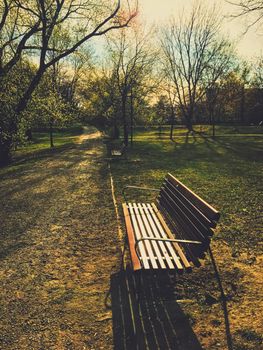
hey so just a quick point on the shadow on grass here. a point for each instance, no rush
(151, 320)
(195, 152)
(42, 153)
(21, 202)
(22, 161)
(12, 249)
(246, 150)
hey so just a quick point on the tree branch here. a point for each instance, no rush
(94, 33)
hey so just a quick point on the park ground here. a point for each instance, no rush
(60, 280)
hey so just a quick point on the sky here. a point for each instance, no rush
(249, 45)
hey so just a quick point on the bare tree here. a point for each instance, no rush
(195, 57)
(132, 61)
(37, 22)
(29, 26)
(172, 100)
(251, 9)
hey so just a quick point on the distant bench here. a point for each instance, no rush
(117, 150)
(172, 233)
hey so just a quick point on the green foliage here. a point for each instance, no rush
(47, 105)
(257, 79)
(162, 111)
(11, 90)
(50, 31)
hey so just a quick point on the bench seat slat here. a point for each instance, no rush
(171, 236)
(138, 236)
(160, 233)
(145, 222)
(142, 234)
(154, 233)
(150, 233)
(131, 238)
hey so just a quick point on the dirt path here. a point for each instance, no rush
(58, 250)
(88, 134)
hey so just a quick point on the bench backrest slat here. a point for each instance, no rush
(206, 209)
(186, 212)
(189, 215)
(183, 229)
(187, 205)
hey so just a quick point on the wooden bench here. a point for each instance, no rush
(172, 233)
(117, 150)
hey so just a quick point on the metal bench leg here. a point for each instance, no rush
(123, 253)
(224, 302)
(138, 284)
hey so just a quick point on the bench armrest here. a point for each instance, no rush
(138, 188)
(166, 240)
(161, 240)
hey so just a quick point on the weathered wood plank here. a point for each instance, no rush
(167, 248)
(142, 233)
(206, 208)
(151, 232)
(170, 235)
(131, 238)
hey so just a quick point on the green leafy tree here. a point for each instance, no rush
(162, 111)
(39, 27)
(11, 89)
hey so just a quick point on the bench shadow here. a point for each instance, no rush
(149, 318)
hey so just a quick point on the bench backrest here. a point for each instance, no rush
(189, 216)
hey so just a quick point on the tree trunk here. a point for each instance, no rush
(7, 137)
(51, 133)
(125, 126)
(188, 117)
(212, 120)
(132, 111)
(29, 135)
(22, 104)
(189, 125)
(242, 104)
(172, 125)
(214, 129)
(5, 150)
(172, 131)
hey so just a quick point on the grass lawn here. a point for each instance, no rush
(41, 141)
(227, 172)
